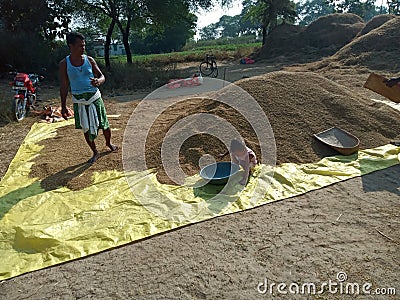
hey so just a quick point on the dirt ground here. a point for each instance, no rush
(350, 227)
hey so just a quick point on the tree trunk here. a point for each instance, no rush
(264, 35)
(108, 43)
(125, 39)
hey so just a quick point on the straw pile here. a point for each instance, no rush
(377, 50)
(374, 23)
(321, 38)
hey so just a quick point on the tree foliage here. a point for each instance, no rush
(364, 9)
(48, 19)
(309, 11)
(28, 32)
(394, 7)
(227, 26)
(164, 37)
(140, 13)
(270, 12)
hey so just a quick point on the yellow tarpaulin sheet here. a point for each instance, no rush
(42, 228)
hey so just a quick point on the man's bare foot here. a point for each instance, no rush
(94, 158)
(113, 148)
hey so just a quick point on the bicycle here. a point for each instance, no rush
(209, 66)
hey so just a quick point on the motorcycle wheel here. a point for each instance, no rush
(18, 109)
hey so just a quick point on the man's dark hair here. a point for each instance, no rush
(73, 36)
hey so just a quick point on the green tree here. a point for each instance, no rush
(159, 38)
(209, 32)
(126, 13)
(269, 12)
(230, 26)
(119, 13)
(249, 24)
(394, 7)
(365, 10)
(226, 27)
(311, 10)
(29, 30)
(48, 19)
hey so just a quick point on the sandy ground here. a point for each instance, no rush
(350, 227)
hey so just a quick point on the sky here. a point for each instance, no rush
(212, 15)
(209, 16)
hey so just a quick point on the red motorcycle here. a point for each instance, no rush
(25, 88)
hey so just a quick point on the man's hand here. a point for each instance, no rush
(94, 81)
(65, 113)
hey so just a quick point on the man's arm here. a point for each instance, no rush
(99, 77)
(63, 88)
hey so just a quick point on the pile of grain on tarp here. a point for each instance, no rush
(298, 105)
(63, 159)
(322, 37)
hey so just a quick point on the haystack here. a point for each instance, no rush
(377, 50)
(375, 22)
(321, 38)
(282, 40)
(332, 31)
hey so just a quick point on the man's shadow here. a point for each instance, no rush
(63, 177)
(50, 183)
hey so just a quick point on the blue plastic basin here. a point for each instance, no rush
(219, 173)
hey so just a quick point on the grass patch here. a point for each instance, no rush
(222, 52)
(154, 70)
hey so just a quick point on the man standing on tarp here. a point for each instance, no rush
(82, 74)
